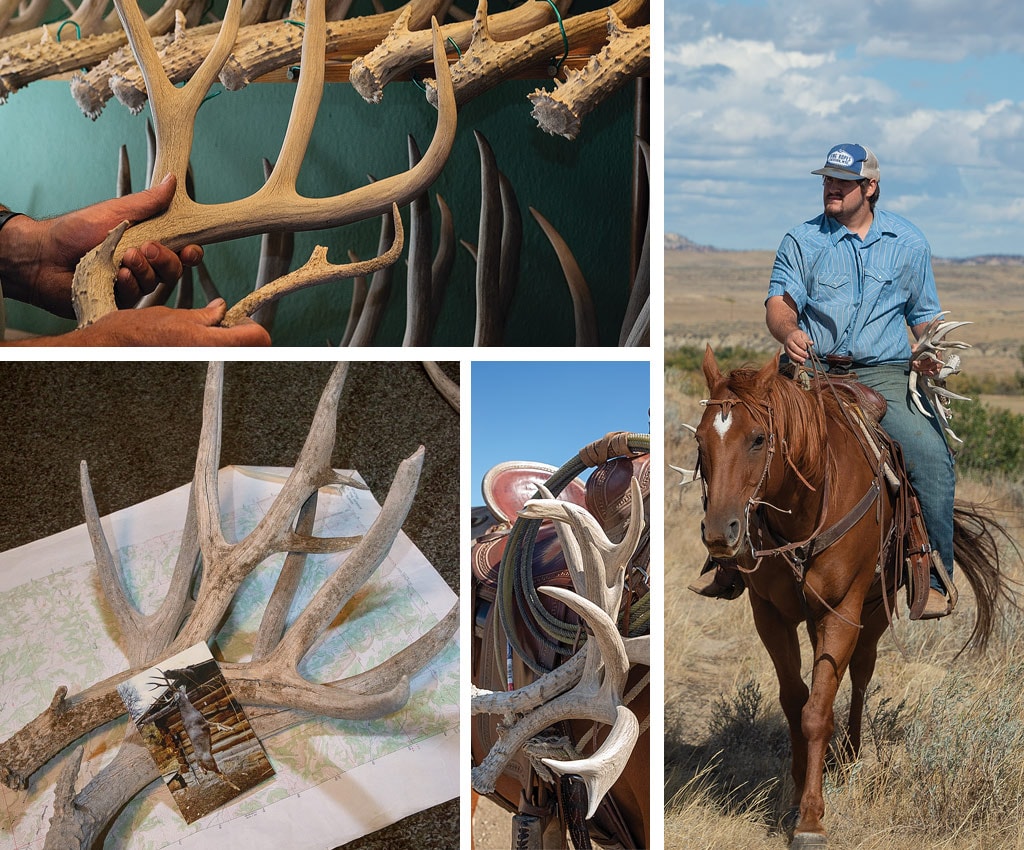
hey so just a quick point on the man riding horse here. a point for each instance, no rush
(844, 287)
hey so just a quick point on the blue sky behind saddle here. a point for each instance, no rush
(547, 411)
(757, 92)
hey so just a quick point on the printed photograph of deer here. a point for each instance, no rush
(200, 738)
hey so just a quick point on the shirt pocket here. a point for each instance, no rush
(880, 289)
(830, 286)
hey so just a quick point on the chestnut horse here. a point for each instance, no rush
(784, 473)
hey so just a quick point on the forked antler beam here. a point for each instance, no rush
(261, 47)
(487, 61)
(277, 204)
(42, 53)
(407, 46)
(18, 16)
(626, 55)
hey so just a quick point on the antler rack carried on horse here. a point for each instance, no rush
(561, 601)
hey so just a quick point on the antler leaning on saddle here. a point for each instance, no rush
(277, 205)
(591, 684)
(271, 679)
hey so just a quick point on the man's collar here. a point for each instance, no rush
(838, 232)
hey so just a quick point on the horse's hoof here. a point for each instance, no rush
(808, 841)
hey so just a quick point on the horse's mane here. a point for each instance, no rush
(799, 418)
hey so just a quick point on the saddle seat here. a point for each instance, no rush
(843, 382)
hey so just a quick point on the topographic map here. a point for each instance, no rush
(338, 779)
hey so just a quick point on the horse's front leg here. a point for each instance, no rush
(834, 647)
(862, 667)
(780, 638)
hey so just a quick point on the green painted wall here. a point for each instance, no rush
(55, 159)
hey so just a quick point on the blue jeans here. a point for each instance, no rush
(928, 459)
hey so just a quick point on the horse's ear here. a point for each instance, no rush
(769, 370)
(712, 374)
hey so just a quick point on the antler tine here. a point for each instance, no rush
(174, 109)
(226, 565)
(272, 625)
(541, 690)
(610, 654)
(360, 564)
(590, 699)
(593, 558)
(601, 771)
(142, 635)
(128, 617)
(308, 94)
(317, 270)
(582, 301)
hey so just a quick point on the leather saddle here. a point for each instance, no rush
(915, 556)
(507, 487)
(841, 380)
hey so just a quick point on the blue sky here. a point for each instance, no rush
(757, 92)
(547, 411)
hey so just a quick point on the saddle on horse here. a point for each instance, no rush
(518, 635)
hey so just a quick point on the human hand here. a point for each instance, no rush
(798, 346)
(926, 364)
(161, 326)
(49, 250)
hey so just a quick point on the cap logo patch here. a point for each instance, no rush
(841, 158)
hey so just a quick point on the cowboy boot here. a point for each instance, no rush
(940, 602)
(718, 580)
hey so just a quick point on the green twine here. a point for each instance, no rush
(78, 29)
(293, 70)
(565, 38)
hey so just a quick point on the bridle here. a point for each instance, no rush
(796, 554)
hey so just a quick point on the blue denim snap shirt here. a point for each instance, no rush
(855, 297)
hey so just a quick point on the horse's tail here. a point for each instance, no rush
(976, 549)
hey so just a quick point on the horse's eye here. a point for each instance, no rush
(758, 441)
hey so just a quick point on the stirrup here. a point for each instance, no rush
(717, 581)
(938, 605)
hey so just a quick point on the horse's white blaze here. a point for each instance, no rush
(722, 422)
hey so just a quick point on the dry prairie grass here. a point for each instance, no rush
(942, 766)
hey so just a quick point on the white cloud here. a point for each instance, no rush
(748, 115)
